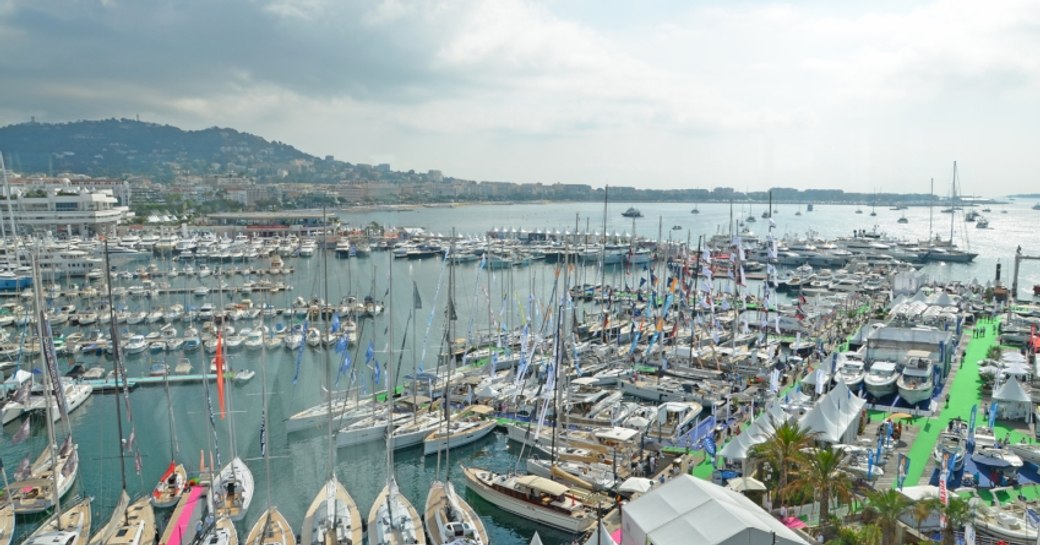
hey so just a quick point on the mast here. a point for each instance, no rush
(48, 384)
(953, 200)
(931, 198)
(10, 211)
(451, 362)
(328, 372)
(390, 386)
(117, 360)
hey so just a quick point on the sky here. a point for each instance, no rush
(864, 96)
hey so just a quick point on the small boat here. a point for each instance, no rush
(158, 370)
(695, 210)
(902, 219)
(632, 212)
(170, 487)
(1028, 452)
(1008, 523)
(271, 529)
(233, 490)
(952, 444)
(982, 223)
(136, 344)
(393, 519)
(450, 520)
(677, 228)
(997, 458)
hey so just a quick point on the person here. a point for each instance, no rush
(198, 527)
(783, 511)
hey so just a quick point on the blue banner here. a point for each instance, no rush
(971, 423)
(344, 367)
(992, 415)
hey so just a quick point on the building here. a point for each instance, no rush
(688, 510)
(62, 209)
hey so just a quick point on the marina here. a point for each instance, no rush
(658, 354)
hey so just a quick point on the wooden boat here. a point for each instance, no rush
(6, 523)
(332, 518)
(72, 527)
(473, 424)
(271, 529)
(393, 519)
(170, 487)
(450, 520)
(535, 498)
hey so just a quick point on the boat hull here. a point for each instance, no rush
(524, 509)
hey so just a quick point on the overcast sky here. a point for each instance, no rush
(864, 96)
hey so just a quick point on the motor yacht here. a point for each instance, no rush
(880, 380)
(997, 458)
(952, 444)
(917, 381)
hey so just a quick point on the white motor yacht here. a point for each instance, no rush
(917, 381)
(997, 458)
(880, 380)
(851, 371)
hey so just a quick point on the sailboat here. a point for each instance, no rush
(70, 526)
(271, 528)
(6, 514)
(233, 487)
(449, 519)
(393, 519)
(695, 210)
(51, 476)
(133, 524)
(172, 484)
(333, 517)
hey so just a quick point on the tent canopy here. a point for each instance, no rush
(1012, 390)
(689, 510)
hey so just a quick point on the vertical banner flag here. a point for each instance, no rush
(219, 361)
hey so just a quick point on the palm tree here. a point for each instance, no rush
(887, 506)
(868, 534)
(783, 452)
(821, 475)
(923, 508)
(957, 513)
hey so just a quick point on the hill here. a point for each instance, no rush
(117, 147)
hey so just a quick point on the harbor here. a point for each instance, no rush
(666, 347)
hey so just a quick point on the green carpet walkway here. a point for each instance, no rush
(964, 392)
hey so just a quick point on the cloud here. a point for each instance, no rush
(744, 93)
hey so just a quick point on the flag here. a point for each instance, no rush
(902, 468)
(992, 414)
(71, 464)
(22, 434)
(870, 465)
(137, 461)
(969, 534)
(416, 300)
(1033, 518)
(971, 423)
(375, 373)
(344, 367)
(341, 344)
(943, 494)
(709, 447)
(263, 433)
(220, 371)
(131, 440)
(21, 395)
(24, 470)
(335, 322)
(370, 352)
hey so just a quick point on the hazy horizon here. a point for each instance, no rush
(874, 97)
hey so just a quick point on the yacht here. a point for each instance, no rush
(535, 498)
(880, 380)
(952, 444)
(851, 370)
(917, 381)
(1002, 522)
(997, 458)
(1028, 452)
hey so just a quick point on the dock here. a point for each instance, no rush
(109, 385)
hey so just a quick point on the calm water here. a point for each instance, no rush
(299, 462)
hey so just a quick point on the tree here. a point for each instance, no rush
(821, 475)
(957, 513)
(922, 509)
(868, 534)
(887, 506)
(783, 452)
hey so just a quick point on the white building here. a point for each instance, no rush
(62, 209)
(687, 510)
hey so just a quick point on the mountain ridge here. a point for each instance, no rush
(118, 147)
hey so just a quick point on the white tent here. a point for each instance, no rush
(688, 510)
(1013, 400)
(835, 418)
(758, 432)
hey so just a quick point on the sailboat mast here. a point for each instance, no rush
(117, 362)
(390, 386)
(451, 361)
(49, 382)
(953, 200)
(328, 371)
